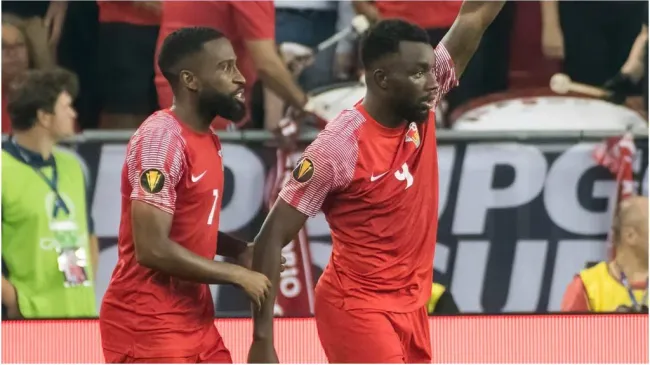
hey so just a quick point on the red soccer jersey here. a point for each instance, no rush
(239, 21)
(146, 313)
(378, 188)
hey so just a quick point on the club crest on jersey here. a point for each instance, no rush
(304, 170)
(152, 181)
(412, 135)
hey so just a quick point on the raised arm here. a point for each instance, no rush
(465, 34)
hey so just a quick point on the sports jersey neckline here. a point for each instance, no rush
(185, 127)
(383, 130)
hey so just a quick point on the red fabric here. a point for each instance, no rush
(126, 12)
(239, 21)
(378, 188)
(217, 354)
(426, 14)
(575, 297)
(369, 337)
(6, 120)
(146, 313)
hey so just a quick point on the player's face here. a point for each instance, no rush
(221, 89)
(412, 81)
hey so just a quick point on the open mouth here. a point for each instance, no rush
(239, 96)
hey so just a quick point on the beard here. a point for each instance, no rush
(413, 113)
(213, 103)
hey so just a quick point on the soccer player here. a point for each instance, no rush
(374, 173)
(158, 306)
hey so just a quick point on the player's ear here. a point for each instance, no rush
(189, 80)
(380, 77)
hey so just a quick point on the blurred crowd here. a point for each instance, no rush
(111, 47)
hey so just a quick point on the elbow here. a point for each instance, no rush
(149, 257)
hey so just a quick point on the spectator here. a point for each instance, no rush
(592, 37)
(15, 59)
(309, 23)
(622, 283)
(44, 21)
(441, 301)
(250, 26)
(64, 33)
(128, 31)
(633, 73)
(49, 251)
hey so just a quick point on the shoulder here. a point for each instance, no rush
(341, 136)
(65, 155)
(66, 158)
(160, 131)
(594, 270)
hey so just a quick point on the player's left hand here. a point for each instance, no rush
(246, 259)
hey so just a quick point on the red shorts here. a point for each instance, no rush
(372, 336)
(217, 354)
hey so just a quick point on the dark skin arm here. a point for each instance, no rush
(154, 249)
(465, 34)
(281, 225)
(230, 246)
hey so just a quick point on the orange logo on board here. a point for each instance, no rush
(412, 135)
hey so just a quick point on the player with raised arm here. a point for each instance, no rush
(374, 173)
(158, 306)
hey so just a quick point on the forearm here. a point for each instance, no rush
(230, 246)
(266, 260)
(175, 260)
(634, 64)
(550, 13)
(276, 77)
(465, 34)
(94, 253)
(8, 292)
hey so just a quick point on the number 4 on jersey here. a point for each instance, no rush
(404, 174)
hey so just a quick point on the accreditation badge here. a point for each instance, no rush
(72, 260)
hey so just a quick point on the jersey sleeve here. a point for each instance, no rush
(575, 297)
(326, 166)
(445, 72)
(156, 163)
(255, 19)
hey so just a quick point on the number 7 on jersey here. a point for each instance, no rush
(215, 193)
